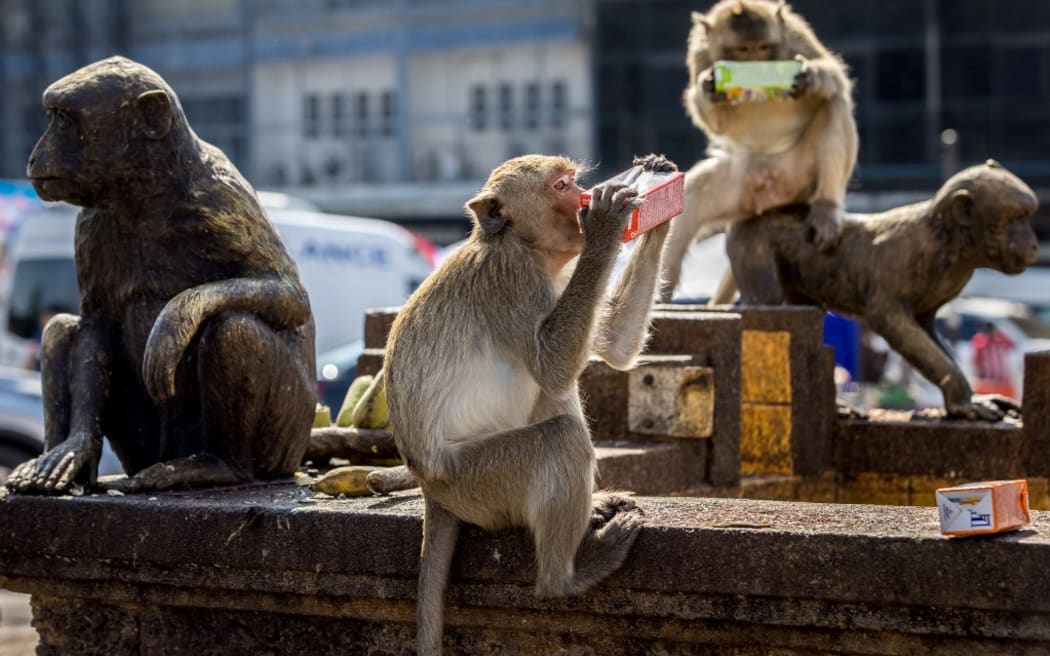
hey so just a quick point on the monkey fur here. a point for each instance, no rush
(194, 348)
(894, 270)
(482, 365)
(764, 154)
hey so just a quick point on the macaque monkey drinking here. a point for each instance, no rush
(801, 149)
(481, 372)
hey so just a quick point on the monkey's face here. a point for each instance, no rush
(995, 206)
(562, 233)
(80, 154)
(745, 32)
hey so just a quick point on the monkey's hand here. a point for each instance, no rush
(656, 163)
(824, 225)
(605, 220)
(707, 85)
(280, 304)
(55, 471)
(816, 79)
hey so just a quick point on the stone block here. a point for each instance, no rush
(937, 448)
(269, 569)
(877, 489)
(1035, 412)
(765, 439)
(672, 399)
(765, 366)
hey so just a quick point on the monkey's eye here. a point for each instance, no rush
(60, 118)
(563, 183)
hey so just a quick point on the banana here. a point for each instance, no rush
(353, 395)
(371, 410)
(322, 416)
(349, 480)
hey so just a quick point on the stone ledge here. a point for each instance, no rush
(725, 574)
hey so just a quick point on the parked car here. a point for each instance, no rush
(22, 423)
(347, 264)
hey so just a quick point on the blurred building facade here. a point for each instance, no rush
(338, 94)
(323, 92)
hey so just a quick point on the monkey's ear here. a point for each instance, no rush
(155, 109)
(488, 212)
(960, 207)
(700, 19)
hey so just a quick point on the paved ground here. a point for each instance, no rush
(17, 638)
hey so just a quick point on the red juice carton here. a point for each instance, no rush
(662, 195)
(987, 507)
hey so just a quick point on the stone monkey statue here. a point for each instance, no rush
(763, 154)
(894, 270)
(194, 349)
(481, 371)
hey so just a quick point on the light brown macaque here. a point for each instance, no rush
(482, 366)
(764, 154)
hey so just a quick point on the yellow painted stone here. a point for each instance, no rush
(1038, 494)
(765, 366)
(765, 439)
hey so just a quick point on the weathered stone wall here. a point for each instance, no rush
(270, 570)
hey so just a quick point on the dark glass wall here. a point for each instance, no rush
(979, 67)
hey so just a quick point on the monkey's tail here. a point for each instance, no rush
(614, 528)
(440, 529)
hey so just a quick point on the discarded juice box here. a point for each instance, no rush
(662, 198)
(755, 81)
(987, 507)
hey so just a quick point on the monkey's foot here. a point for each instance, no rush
(825, 225)
(385, 481)
(985, 407)
(194, 471)
(607, 506)
(56, 471)
(654, 162)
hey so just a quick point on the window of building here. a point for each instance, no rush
(312, 116)
(559, 103)
(339, 115)
(901, 74)
(361, 114)
(532, 105)
(479, 108)
(388, 113)
(506, 106)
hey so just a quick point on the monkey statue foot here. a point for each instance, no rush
(985, 407)
(57, 470)
(825, 225)
(194, 471)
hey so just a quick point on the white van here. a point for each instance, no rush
(347, 264)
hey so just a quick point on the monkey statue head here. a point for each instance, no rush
(112, 111)
(532, 198)
(987, 208)
(743, 30)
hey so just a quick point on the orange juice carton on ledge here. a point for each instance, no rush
(661, 193)
(979, 508)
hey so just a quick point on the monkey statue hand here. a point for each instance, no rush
(986, 407)
(171, 334)
(605, 220)
(707, 85)
(55, 471)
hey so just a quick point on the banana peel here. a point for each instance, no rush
(322, 416)
(371, 410)
(357, 390)
(348, 481)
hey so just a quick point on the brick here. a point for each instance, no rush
(765, 439)
(765, 366)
